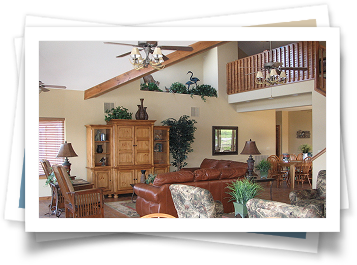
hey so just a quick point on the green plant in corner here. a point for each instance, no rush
(181, 136)
(118, 113)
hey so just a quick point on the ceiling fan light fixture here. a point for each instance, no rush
(273, 73)
(157, 53)
(135, 54)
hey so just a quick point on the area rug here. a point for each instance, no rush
(124, 207)
(128, 208)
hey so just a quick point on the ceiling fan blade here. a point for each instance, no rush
(293, 68)
(44, 89)
(178, 48)
(118, 43)
(124, 54)
(52, 86)
(165, 57)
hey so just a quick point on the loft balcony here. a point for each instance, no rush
(310, 54)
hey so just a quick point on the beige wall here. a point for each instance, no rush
(258, 126)
(299, 120)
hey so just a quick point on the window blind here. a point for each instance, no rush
(51, 136)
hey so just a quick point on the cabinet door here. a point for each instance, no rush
(103, 180)
(125, 145)
(143, 145)
(124, 179)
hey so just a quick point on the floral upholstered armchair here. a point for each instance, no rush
(195, 202)
(313, 197)
(259, 208)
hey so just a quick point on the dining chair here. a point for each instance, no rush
(88, 203)
(293, 157)
(275, 170)
(304, 172)
(299, 156)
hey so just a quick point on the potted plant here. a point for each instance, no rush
(263, 166)
(241, 191)
(118, 113)
(306, 150)
(150, 179)
(181, 136)
(51, 178)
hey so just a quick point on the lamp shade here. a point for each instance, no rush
(157, 53)
(259, 74)
(66, 150)
(250, 148)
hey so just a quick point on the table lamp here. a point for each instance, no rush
(66, 150)
(250, 149)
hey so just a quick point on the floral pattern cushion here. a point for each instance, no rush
(259, 208)
(315, 197)
(195, 202)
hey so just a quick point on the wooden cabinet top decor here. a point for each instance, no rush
(130, 122)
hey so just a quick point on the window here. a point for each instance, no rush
(224, 140)
(51, 136)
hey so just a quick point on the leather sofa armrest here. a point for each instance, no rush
(148, 192)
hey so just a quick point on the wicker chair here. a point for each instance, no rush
(195, 202)
(82, 203)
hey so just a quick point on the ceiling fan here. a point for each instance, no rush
(43, 87)
(149, 47)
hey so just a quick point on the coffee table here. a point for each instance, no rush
(259, 179)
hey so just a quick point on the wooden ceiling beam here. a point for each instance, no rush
(133, 75)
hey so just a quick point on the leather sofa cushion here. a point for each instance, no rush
(205, 174)
(209, 163)
(223, 164)
(231, 173)
(236, 164)
(173, 177)
(214, 163)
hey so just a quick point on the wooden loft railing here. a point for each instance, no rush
(308, 54)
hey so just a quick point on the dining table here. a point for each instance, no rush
(292, 166)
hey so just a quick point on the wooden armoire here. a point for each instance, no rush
(119, 151)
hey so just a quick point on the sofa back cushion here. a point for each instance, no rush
(214, 163)
(231, 173)
(236, 164)
(205, 174)
(173, 177)
(209, 163)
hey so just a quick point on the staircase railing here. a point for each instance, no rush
(318, 154)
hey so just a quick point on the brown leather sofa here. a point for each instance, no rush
(213, 175)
